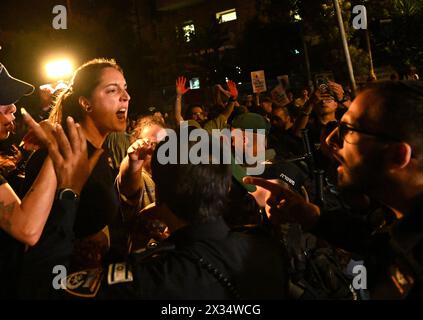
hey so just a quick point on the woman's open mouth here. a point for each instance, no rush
(121, 114)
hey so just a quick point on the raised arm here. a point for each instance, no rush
(180, 91)
(227, 93)
(233, 92)
(339, 92)
(24, 220)
(129, 178)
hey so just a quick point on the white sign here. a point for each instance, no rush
(258, 81)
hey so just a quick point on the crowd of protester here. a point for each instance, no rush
(342, 186)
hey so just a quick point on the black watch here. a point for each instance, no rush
(66, 194)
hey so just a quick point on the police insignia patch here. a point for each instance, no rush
(119, 273)
(84, 284)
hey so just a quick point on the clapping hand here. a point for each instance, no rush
(68, 153)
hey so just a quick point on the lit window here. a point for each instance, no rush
(225, 16)
(188, 30)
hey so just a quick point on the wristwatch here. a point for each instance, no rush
(66, 194)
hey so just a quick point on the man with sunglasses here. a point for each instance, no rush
(379, 147)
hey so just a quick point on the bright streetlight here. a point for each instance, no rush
(59, 69)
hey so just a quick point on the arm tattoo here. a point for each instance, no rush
(6, 212)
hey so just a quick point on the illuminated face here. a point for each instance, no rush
(285, 120)
(197, 114)
(267, 107)
(6, 120)
(109, 102)
(327, 106)
(360, 155)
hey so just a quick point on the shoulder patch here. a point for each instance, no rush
(84, 284)
(119, 273)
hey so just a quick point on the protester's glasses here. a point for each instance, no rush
(346, 132)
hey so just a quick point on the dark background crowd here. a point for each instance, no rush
(342, 180)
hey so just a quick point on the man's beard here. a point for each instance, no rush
(367, 178)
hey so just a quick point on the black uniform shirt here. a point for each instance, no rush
(204, 261)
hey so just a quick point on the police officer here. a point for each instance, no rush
(202, 258)
(378, 145)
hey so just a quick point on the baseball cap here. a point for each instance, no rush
(287, 172)
(238, 172)
(251, 120)
(12, 89)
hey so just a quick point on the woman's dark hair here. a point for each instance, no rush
(84, 81)
(196, 193)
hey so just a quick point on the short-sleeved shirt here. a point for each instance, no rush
(117, 143)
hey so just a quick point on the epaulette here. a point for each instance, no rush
(86, 283)
(119, 273)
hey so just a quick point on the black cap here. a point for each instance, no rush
(287, 172)
(12, 89)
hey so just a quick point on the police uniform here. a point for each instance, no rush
(392, 253)
(203, 261)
